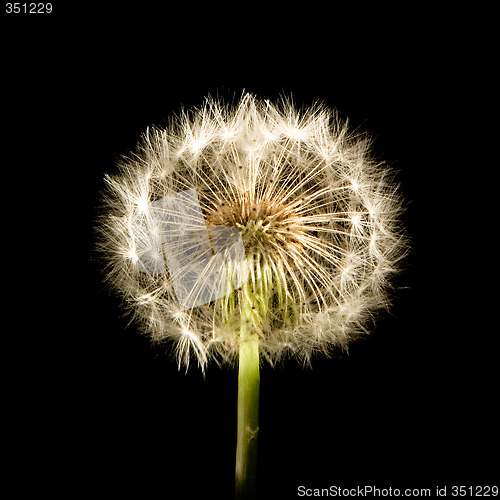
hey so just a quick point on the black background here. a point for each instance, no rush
(93, 408)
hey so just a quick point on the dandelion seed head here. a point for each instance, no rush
(256, 216)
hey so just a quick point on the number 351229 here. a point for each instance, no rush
(28, 8)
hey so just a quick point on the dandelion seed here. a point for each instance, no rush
(300, 219)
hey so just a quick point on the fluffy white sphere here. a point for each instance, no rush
(254, 217)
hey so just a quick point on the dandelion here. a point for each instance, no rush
(252, 233)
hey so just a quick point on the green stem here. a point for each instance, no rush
(248, 417)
